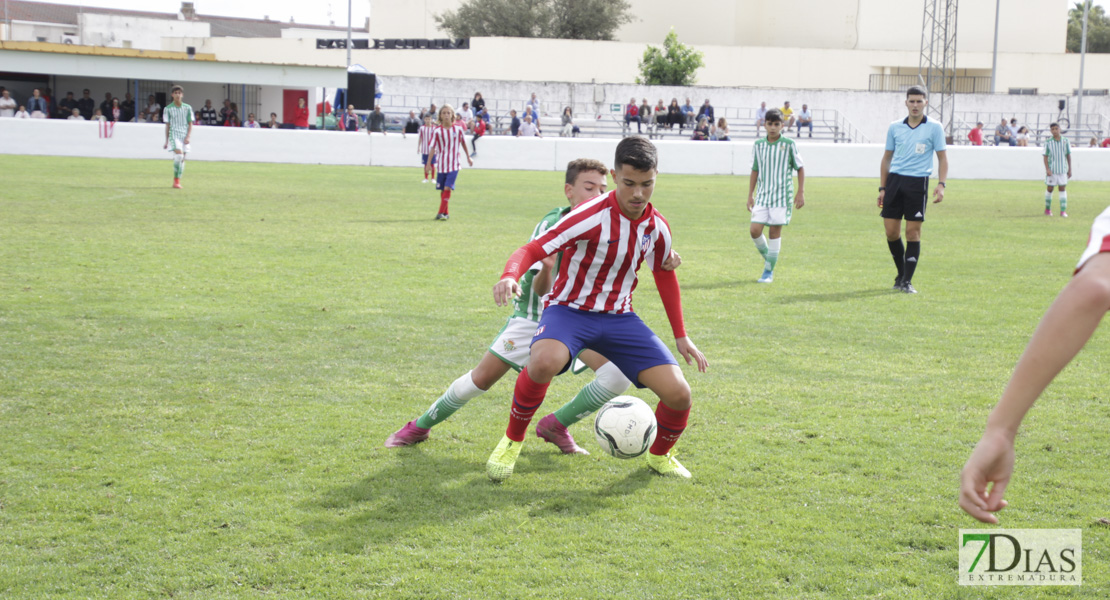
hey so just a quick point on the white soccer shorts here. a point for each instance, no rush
(778, 215)
(514, 343)
(179, 142)
(1056, 179)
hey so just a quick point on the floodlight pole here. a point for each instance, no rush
(994, 60)
(1082, 59)
(348, 34)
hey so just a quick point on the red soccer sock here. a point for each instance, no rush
(527, 398)
(443, 196)
(671, 425)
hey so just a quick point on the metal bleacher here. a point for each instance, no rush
(1092, 126)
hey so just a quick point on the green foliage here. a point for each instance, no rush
(562, 19)
(1098, 29)
(195, 386)
(674, 64)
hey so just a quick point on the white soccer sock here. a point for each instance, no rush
(465, 389)
(773, 247)
(178, 165)
(761, 245)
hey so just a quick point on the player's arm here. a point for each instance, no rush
(751, 189)
(800, 196)
(1047, 169)
(462, 140)
(884, 171)
(189, 131)
(1064, 330)
(509, 287)
(667, 284)
(541, 281)
(431, 151)
(1068, 156)
(942, 176)
(167, 144)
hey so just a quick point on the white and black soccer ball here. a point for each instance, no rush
(625, 427)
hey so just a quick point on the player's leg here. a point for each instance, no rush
(178, 164)
(1048, 201)
(607, 384)
(758, 239)
(774, 246)
(671, 415)
(913, 254)
(1063, 200)
(892, 214)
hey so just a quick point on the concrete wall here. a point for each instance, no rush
(120, 31)
(67, 138)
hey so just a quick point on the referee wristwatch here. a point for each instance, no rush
(882, 187)
(942, 184)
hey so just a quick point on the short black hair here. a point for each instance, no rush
(917, 90)
(773, 115)
(637, 152)
(1051, 125)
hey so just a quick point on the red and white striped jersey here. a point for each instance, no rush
(447, 142)
(602, 250)
(426, 132)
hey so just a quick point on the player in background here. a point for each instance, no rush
(179, 118)
(446, 141)
(904, 182)
(424, 142)
(585, 179)
(1069, 323)
(604, 241)
(1057, 169)
(771, 189)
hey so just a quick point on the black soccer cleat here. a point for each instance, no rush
(897, 284)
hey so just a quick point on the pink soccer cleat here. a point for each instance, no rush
(408, 435)
(1048, 212)
(551, 430)
(1064, 214)
(176, 183)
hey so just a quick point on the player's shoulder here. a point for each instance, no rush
(554, 215)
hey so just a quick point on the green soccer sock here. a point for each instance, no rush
(608, 384)
(1063, 202)
(773, 247)
(1048, 200)
(177, 166)
(761, 245)
(457, 395)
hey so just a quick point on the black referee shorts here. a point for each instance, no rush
(906, 197)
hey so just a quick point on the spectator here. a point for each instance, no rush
(467, 115)
(48, 95)
(805, 119)
(528, 128)
(531, 112)
(483, 115)
(115, 112)
(22, 113)
(36, 105)
(706, 111)
(376, 121)
(251, 123)
(514, 123)
(225, 110)
(479, 131)
(412, 125)
(478, 104)
(128, 106)
(760, 117)
(7, 105)
(660, 114)
(701, 130)
(645, 115)
(569, 128)
(1023, 136)
(300, 116)
(106, 106)
(1093, 144)
(98, 116)
(1014, 128)
(233, 119)
(351, 120)
(675, 116)
(150, 113)
(75, 115)
(632, 113)
(86, 104)
(534, 103)
(273, 122)
(1003, 135)
(722, 130)
(430, 112)
(1105, 143)
(66, 106)
(787, 115)
(208, 114)
(688, 111)
(976, 134)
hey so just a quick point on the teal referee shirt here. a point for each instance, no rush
(913, 147)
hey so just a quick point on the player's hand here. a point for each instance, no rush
(505, 291)
(799, 199)
(751, 203)
(1069, 173)
(691, 353)
(1048, 172)
(187, 138)
(992, 462)
(938, 194)
(882, 194)
(672, 261)
(166, 146)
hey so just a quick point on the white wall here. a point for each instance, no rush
(68, 138)
(113, 30)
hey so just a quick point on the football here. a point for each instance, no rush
(625, 427)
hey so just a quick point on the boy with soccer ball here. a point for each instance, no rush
(774, 160)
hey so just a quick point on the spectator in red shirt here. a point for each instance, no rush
(300, 117)
(632, 113)
(1105, 143)
(976, 134)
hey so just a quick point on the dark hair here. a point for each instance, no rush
(584, 165)
(637, 152)
(917, 90)
(773, 115)
(177, 88)
(1051, 125)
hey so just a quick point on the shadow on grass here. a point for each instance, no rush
(377, 221)
(417, 488)
(719, 285)
(836, 296)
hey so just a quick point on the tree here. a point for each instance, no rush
(674, 64)
(1098, 29)
(562, 19)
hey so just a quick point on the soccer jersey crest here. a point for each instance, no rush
(644, 241)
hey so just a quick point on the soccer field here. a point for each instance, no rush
(195, 386)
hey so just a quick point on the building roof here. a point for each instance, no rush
(65, 14)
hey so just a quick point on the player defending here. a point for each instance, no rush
(1057, 169)
(446, 140)
(590, 306)
(904, 182)
(585, 179)
(179, 128)
(774, 160)
(1064, 330)
(424, 143)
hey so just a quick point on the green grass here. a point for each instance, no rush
(195, 386)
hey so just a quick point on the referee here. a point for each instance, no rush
(904, 182)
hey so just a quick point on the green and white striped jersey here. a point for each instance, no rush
(1057, 152)
(179, 118)
(529, 304)
(776, 162)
